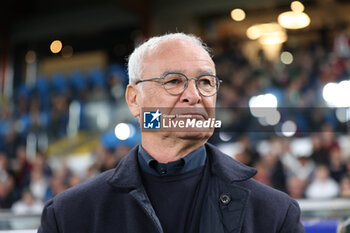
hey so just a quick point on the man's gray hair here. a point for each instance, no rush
(135, 61)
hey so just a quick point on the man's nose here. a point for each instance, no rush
(191, 94)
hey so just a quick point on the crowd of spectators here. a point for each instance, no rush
(43, 109)
(26, 185)
(318, 168)
(322, 170)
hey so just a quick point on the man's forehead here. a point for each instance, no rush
(191, 66)
(177, 46)
(187, 50)
(199, 71)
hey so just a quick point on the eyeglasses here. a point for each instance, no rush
(176, 83)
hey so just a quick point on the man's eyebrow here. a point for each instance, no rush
(207, 71)
(173, 71)
(199, 72)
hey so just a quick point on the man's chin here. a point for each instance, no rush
(194, 135)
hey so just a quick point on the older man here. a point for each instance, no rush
(174, 182)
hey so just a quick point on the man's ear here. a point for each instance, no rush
(131, 97)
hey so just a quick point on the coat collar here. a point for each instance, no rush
(227, 168)
(127, 173)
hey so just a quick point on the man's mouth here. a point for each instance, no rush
(199, 114)
(194, 115)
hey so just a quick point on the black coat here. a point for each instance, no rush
(116, 201)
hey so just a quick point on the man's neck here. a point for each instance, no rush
(170, 150)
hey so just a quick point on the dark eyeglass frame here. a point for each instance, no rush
(186, 84)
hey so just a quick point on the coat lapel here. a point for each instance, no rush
(142, 199)
(127, 176)
(224, 208)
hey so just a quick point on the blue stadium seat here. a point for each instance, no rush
(97, 78)
(59, 84)
(78, 81)
(117, 70)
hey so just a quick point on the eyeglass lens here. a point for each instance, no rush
(175, 83)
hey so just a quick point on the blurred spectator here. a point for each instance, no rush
(8, 137)
(345, 186)
(38, 184)
(22, 168)
(116, 88)
(99, 157)
(7, 191)
(296, 187)
(270, 166)
(4, 164)
(302, 166)
(59, 116)
(337, 167)
(263, 174)
(347, 165)
(228, 96)
(39, 119)
(322, 186)
(341, 43)
(110, 160)
(345, 146)
(74, 180)
(251, 156)
(328, 138)
(57, 185)
(319, 154)
(27, 204)
(113, 156)
(63, 172)
(40, 163)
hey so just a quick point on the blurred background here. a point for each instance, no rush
(63, 118)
